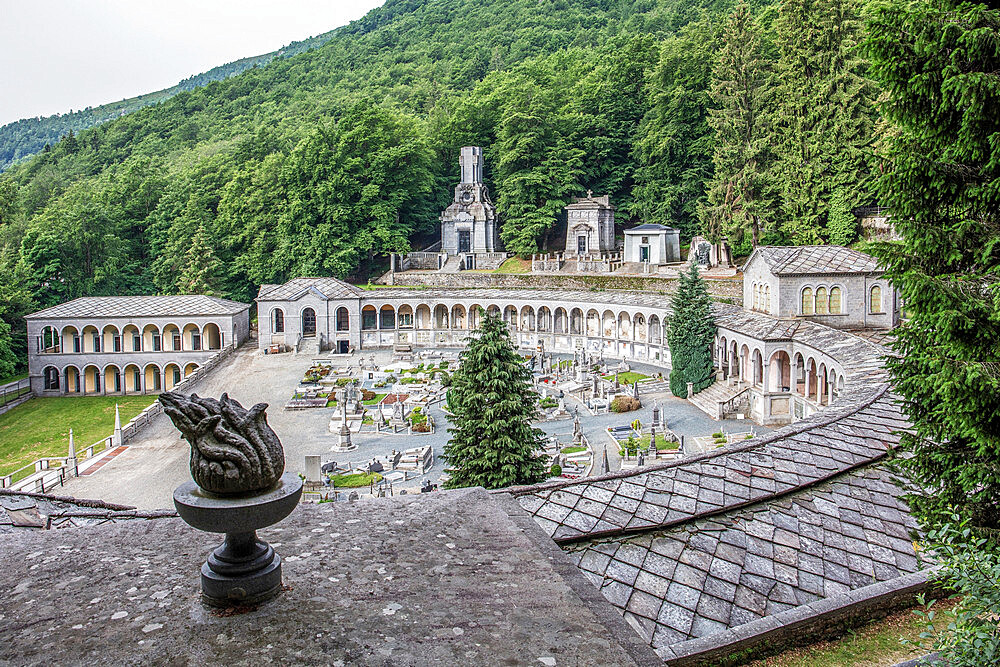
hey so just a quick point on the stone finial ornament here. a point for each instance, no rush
(233, 450)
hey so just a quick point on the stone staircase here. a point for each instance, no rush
(713, 399)
(308, 346)
(452, 265)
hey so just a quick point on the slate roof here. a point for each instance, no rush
(181, 305)
(648, 227)
(331, 288)
(814, 259)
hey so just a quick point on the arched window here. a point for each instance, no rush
(343, 319)
(875, 301)
(835, 301)
(767, 298)
(822, 301)
(277, 321)
(807, 301)
(51, 378)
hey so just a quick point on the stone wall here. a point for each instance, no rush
(724, 289)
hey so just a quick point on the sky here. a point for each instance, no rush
(57, 55)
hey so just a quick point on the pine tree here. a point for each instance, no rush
(937, 62)
(739, 193)
(493, 443)
(824, 120)
(201, 270)
(690, 335)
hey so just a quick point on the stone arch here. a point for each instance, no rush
(799, 382)
(211, 336)
(458, 319)
(527, 320)
(544, 320)
(474, 316)
(404, 317)
(152, 378)
(577, 324)
(655, 331)
(560, 321)
(510, 315)
(423, 314)
(91, 339)
(69, 338)
(441, 316)
(91, 380)
(50, 378)
(822, 385)
(191, 336)
(151, 338)
(369, 318)
(71, 380)
(171, 376)
(277, 318)
(593, 323)
(779, 372)
(190, 368)
(639, 328)
(608, 324)
(132, 338)
(111, 338)
(112, 379)
(493, 310)
(624, 326)
(172, 341)
(386, 317)
(49, 340)
(811, 378)
(132, 379)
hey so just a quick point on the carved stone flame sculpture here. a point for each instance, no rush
(233, 450)
(238, 488)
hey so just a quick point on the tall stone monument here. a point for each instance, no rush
(590, 226)
(469, 225)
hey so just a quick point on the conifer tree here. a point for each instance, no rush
(493, 443)
(824, 119)
(201, 271)
(690, 335)
(937, 62)
(739, 193)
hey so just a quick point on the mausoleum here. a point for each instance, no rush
(590, 225)
(652, 244)
(469, 224)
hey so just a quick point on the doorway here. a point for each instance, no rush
(343, 346)
(581, 245)
(464, 241)
(644, 253)
(308, 322)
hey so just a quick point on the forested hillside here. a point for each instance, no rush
(28, 136)
(755, 122)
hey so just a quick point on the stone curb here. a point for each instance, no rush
(816, 618)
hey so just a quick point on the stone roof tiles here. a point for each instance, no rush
(330, 288)
(792, 260)
(180, 305)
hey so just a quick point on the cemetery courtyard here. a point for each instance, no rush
(156, 462)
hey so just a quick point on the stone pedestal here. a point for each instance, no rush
(244, 570)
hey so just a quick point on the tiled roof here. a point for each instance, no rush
(812, 259)
(331, 288)
(648, 227)
(183, 305)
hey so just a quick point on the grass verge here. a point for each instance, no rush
(515, 265)
(41, 426)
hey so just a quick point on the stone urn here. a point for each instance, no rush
(239, 486)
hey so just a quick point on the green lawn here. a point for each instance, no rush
(374, 401)
(662, 444)
(515, 265)
(873, 645)
(628, 377)
(573, 449)
(41, 426)
(355, 480)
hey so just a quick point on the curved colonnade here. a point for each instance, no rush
(784, 375)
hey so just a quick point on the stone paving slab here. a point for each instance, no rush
(461, 577)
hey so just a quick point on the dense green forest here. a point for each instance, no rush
(28, 136)
(752, 121)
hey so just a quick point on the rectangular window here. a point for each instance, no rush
(406, 319)
(368, 319)
(136, 380)
(156, 343)
(118, 383)
(177, 341)
(136, 342)
(177, 375)
(97, 342)
(196, 341)
(117, 344)
(76, 343)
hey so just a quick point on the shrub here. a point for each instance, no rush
(421, 428)
(556, 470)
(367, 395)
(548, 402)
(717, 434)
(625, 404)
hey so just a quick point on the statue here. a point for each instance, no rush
(237, 464)
(233, 450)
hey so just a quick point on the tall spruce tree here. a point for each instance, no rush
(937, 62)
(824, 120)
(690, 335)
(493, 443)
(738, 192)
(201, 273)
